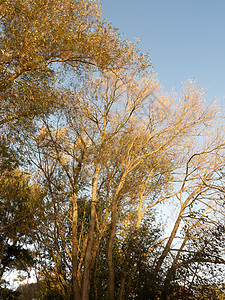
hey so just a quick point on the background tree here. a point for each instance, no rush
(19, 200)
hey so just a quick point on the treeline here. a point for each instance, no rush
(91, 150)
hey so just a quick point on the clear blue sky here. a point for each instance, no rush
(186, 38)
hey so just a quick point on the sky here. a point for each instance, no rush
(186, 38)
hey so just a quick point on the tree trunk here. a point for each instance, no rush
(88, 255)
(167, 247)
(172, 236)
(122, 286)
(111, 287)
(75, 285)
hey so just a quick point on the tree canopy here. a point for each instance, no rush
(91, 151)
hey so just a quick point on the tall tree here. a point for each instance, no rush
(18, 202)
(109, 151)
(105, 148)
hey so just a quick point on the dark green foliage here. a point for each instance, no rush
(133, 260)
(16, 257)
(18, 202)
(7, 294)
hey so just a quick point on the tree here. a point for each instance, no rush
(104, 148)
(69, 38)
(107, 155)
(18, 202)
